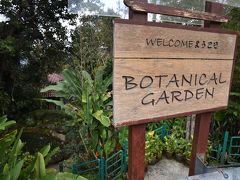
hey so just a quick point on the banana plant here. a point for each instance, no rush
(89, 102)
(86, 97)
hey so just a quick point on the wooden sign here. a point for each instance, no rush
(161, 71)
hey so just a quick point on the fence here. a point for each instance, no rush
(113, 167)
(162, 131)
(227, 152)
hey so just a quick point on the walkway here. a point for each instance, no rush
(166, 169)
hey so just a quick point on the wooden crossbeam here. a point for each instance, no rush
(172, 11)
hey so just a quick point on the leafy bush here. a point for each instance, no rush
(89, 102)
(153, 147)
(170, 143)
(13, 163)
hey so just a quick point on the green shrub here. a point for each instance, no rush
(14, 164)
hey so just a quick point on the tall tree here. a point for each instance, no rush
(33, 43)
(92, 43)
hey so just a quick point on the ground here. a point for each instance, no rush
(166, 169)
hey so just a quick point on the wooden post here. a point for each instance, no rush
(136, 134)
(136, 150)
(200, 139)
(203, 121)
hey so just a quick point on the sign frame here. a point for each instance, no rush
(180, 27)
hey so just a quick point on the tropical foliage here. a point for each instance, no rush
(13, 164)
(89, 102)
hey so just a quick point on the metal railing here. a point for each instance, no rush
(227, 152)
(111, 168)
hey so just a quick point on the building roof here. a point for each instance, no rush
(54, 78)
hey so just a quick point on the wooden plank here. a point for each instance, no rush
(172, 11)
(140, 86)
(147, 41)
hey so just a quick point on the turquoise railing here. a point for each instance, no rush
(162, 131)
(234, 150)
(228, 151)
(113, 167)
(87, 167)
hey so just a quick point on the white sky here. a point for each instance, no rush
(108, 4)
(111, 3)
(2, 18)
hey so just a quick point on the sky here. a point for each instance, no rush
(2, 18)
(113, 4)
(108, 4)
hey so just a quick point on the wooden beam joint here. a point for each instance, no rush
(144, 7)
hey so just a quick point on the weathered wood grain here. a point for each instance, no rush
(172, 11)
(128, 107)
(141, 41)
